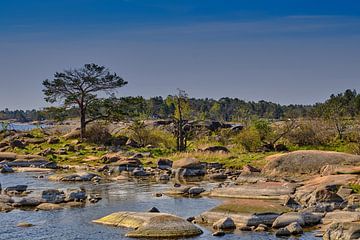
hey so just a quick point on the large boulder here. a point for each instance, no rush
(322, 189)
(127, 165)
(164, 164)
(306, 162)
(224, 224)
(188, 167)
(342, 231)
(341, 216)
(151, 225)
(303, 219)
(75, 195)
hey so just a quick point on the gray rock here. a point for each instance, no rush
(218, 176)
(164, 164)
(219, 233)
(139, 172)
(196, 191)
(18, 189)
(154, 210)
(164, 177)
(53, 196)
(342, 231)
(17, 143)
(294, 228)
(27, 202)
(75, 195)
(216, 149)
(224, 224)
(6, 169)
(282, 232)
(287, 218)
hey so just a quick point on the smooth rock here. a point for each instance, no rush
(224, 224)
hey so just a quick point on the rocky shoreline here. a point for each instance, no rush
(252, 199)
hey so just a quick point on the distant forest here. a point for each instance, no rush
(346, 104)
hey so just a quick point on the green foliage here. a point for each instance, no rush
(38, 132)
(264, 129)
(249, 138)
(355, 188)
(144, 135)
(98, 133)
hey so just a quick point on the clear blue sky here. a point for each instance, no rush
(286, 51)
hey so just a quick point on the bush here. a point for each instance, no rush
(145, 135)
(249, 138)
(303, 135)
(311, 133)
(98, 133)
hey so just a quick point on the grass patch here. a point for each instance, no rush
(228, 159)
(251, 206)
(355, 188)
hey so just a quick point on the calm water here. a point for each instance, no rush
(76, 223)
(23, 127)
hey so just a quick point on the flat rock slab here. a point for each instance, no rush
(266, 190)
(151, 225)
(7, 156)
(248, 212)
(34, 169)
(341, 216)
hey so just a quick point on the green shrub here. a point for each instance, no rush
(303, 135)
(98, 133)
(249, 138)
(355, 188)
(145, 135)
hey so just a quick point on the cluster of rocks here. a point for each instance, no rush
(272, 202)
(14, 139)
(80, 176)
(9, 160)
(186, 169)
(50, 199)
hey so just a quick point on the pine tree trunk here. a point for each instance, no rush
(82, 124)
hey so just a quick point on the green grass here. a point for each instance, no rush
(355, 188)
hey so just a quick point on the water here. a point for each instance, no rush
(23, 127)
(71, 224)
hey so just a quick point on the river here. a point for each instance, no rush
(71, 224)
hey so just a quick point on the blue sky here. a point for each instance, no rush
(286, 51)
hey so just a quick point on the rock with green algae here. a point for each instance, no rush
(244, 212)
(151, 225)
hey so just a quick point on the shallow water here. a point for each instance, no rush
(125, 196)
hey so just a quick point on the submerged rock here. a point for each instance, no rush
(49, 206)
